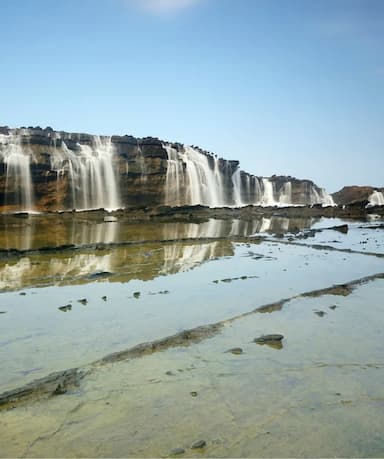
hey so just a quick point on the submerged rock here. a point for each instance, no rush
(83, 301)
(320, 313)
(98, 275)
(176, 451)
(269, 339)
(65, 308)
(198, 444)
(235, 350)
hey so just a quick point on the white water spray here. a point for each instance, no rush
(376, 198)
(18, 182)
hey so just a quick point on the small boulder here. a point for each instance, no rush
(235, 350)
(267, 339)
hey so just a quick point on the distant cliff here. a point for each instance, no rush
(47, 170)
(352, 194)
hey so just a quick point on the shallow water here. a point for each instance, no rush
(152, 289)
(361, 236)
(321, 394)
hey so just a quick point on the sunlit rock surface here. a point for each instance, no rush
(43, 169)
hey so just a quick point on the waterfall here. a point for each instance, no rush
(90, 170)
(18, 182)
(320, 197)
(268, 198)
(286, 194)
(175, 181)
(376, 198)
(237, 188)
(191, 179)
(196, 178)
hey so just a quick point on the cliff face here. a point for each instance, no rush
(351, 194)
(42, 169)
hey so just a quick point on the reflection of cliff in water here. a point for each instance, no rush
(119, 264)
(52, 231)
(150, 257)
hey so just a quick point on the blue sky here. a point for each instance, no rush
(292, 87)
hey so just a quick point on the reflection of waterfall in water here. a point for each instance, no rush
(19, 237)
(90, 169)
(181, 258)
(79, 265)
(18, 182)
(12, 275)
(376, 199)
(54, 271)
(33, 234)
(93, 233)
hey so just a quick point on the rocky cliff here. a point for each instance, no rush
(354, 194)
(47, 170)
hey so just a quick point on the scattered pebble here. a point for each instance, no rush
(83, 301)
(169, 373)
(136, 295)
(104, 298)
(193, 394)
(22, 293)
(333, 307)
(65, 308)
(176, 451)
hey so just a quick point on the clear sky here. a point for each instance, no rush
(292, 87)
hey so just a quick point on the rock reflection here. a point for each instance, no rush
(36, 231)
(120, 264)
(179, 258)
(147, 260)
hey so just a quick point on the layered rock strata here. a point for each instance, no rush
(47, 170)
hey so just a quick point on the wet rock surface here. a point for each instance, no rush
(198, 444)
(269, 339)
(55, 384)
(235, 350)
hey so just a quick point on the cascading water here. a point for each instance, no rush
(195, 178)
(320, 197)
(174, 182)
(80, 171)
(268, 198)
(91, 174)
(18, 183)
(286, 194)
(376, 198)
(191, 180)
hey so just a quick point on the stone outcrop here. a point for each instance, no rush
(354, 194)
(47, 170)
